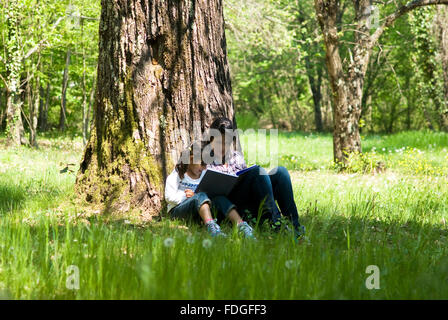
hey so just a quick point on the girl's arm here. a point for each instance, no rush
(172, 193)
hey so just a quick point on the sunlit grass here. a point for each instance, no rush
(395, 220)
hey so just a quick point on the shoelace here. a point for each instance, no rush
(213, 227)
(244, 227)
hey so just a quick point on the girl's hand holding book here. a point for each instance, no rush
(189, 193)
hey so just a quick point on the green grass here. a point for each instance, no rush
(395, 220)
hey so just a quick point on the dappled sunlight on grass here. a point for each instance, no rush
(395, 219)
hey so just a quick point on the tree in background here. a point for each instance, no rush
(13, 63)
(347, 76)
(440, 30)
(268, 74)
(37, 34)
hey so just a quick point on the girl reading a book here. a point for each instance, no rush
(258, 189)
(184, 203)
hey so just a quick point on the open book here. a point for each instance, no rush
(216, 183)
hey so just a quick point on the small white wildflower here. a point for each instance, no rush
(169, 242)
(190, 239)
(206, 243)
(289, 264)
(127, 221)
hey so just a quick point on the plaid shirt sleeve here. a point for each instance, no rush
(238, 161)
(235, 164)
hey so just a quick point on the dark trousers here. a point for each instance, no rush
(258, 187)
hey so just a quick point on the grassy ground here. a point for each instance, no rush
(395, 220)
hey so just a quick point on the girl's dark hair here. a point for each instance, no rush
(193, 151)
(222, 124)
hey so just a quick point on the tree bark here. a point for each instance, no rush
(442, 35)
(84, 89)
(34, 107)
(43, 109)
(88, 128)
(14, 125)
(346, 86)
(2, 106)
(162, 68)
(63, 113)
(347, 78)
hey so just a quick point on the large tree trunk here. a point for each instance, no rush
(162, 68)
(346, 86)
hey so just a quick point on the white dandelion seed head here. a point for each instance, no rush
(190, 239)
(207, 243)
(168, 242)
(289, 264)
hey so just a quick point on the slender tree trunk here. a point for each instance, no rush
(34, 107)
(63, 114)
(44, 123)
(428, 118)
(408, 116)
(442, 28)
(87, 125)
(84, 89)
(43, 114)
(14, 127)
(392, 117)
(162, 77)
(2, 107)
(315, 81)
(41, 108)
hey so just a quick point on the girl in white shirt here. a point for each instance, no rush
(184, 203)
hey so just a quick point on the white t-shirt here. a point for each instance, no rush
(175, 187)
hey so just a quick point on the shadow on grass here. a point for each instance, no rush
(407, 254)
(11, 198)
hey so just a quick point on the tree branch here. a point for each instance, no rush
(36, 47)
(400, 12)
(6, 83)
